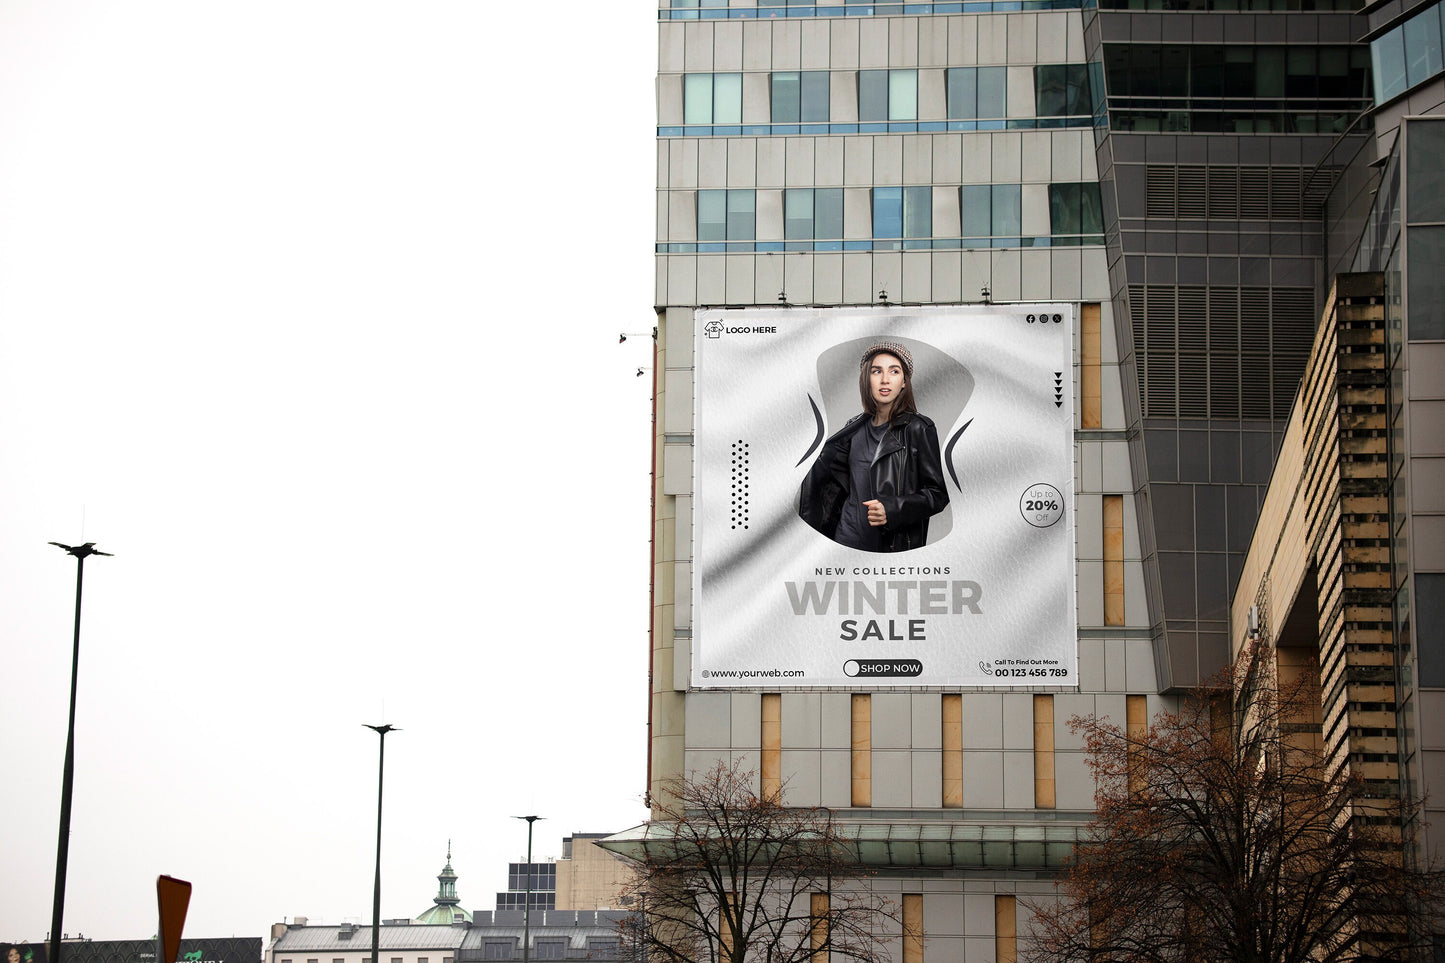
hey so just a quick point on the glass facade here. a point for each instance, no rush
(1409, 54)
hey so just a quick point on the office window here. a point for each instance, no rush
(813, 218)
(1075, 209)
(977, 92)
(887, 95)
(800, 96)
(496, 950)
(712, 98)
(549, 950)
(601, 948)
(1062, 90)
(726, 215)
(692, 9)
(990, 214)
(905, 213)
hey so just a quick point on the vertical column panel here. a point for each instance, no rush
(1091, 391)
(1136, 728)
(952, 751)
(912, 928)
(772, 744)
(1005, 929)
(1114, 610)
(818, 926)
(862, 745)
(1044, 788)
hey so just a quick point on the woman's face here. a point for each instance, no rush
(14, 955)
(885, 378)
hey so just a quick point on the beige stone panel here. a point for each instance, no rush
(843, 96)
(902, 41)
(932, 42)
(697, 47)
(1023, 38)
(772, 157)
(862, 750)
(932, 94)
(727, 45)
(802, 166)
(917, 159)
(962, 41)
(757, 44)
(992, 39)
(670, 37)
(816, 38)
(872, 42)
(757, 99)
(669, 100)
(787, 44)
(828, 161)
(1053, 36)
(742, 161)
(858, 168)
(843, 48)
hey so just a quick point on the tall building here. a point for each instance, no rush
(1189, 175)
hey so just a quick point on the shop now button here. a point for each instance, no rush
(882, 668)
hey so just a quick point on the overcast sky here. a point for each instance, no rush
(309, 314)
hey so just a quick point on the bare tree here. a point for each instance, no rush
(1221, 833)
(730, 876)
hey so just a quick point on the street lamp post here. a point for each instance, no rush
(381, 731)
(67, 778)
(527, 906)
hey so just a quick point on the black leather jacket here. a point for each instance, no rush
(907, 478)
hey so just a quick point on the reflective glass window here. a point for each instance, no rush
(885, 95)
(1425, 281)
(1387, 56)
(1425, 145)
(712, 219)
(1061, 90)
(1422, 46)
(800, 96)
(712, 98)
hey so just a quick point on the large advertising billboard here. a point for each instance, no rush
(883, 496)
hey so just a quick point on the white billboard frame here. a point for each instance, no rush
(988, 599)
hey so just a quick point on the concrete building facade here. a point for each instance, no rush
(1192, 176)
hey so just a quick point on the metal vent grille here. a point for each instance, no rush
(1220, 352)
(1232, 193)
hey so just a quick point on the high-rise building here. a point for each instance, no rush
(1190, 175)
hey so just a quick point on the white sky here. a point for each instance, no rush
(309, 313)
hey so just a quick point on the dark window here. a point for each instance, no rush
(1075, 209)
(689, 9)
(978, 92)
(496, 950)
(1430, 628)
(885, 95)
(722, 215)
(800, 96)
(1061, 90)
(550, 949)
(813, 218)
(903, 213)
(599, 948)
(988, 211)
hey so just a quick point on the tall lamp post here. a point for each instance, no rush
(381, 731)
(67, 778)
(527, 906)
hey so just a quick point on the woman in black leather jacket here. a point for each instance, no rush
(879, 479)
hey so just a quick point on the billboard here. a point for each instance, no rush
(842, 540)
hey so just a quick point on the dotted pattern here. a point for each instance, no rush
(740, 484)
